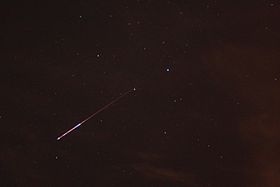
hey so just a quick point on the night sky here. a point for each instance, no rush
(205, 112)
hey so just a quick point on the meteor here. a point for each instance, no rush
(93, 114)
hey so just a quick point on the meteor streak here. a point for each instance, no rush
(95, 113)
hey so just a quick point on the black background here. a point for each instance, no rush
(205, 112)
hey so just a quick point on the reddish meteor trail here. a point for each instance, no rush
(95, 113)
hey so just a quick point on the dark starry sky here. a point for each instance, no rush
(205, 112)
